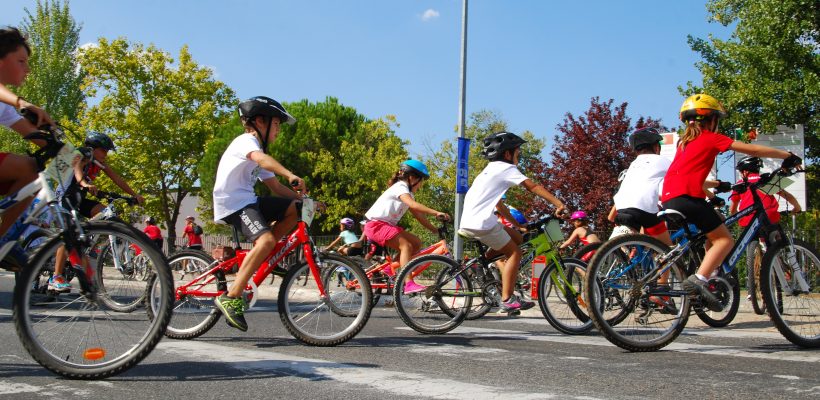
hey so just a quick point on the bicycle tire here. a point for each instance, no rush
(334, 266)
(587, 248)
(794, 315)
(310, 317)
(753, 264)
(194, 316)
(423, 310)
(729, 298)
(120, 290)
(650, 332)
(71, 337)
(480, 305)
(564, 312)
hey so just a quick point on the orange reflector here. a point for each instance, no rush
(94, 353)
(581, 301)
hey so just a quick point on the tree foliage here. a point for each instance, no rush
(160, 112)
(55, 78)
(768, 72)
(589, 153)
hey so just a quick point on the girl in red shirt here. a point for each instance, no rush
(683, 185)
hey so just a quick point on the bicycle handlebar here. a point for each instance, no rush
(110, 196)
(766, 178)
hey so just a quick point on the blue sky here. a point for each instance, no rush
(531, 61)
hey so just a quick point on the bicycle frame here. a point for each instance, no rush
(283, 248)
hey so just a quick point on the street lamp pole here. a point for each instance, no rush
(463, 143)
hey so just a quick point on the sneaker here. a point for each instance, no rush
(665, 303)
(514, 303)
(58, 284)
(413, 287)
(233, 310)
(696, 287)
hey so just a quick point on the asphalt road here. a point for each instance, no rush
(495, 357)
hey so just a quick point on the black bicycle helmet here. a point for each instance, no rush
(99, 140)
(264, 106)
(750, 164)
(497, 143)
(644, 137)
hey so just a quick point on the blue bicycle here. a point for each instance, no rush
(635, 280)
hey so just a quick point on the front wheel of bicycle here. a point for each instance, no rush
(432, 295)
(560, 296)
(794, 308)
(76, 335)
(324, 318)
(651, 315)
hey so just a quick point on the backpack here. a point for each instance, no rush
(197, 230)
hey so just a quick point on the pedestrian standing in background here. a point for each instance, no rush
(152, 230)
(194, 234)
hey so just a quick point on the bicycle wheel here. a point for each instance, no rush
(794, 309)
(488, 293)
(77, 336)
(586, 251)
(194, 315)
(340, 284)
(329, 319)
(653, 315)
(567, 312)
(727, 290)
(121, 275)
(754, 259)
(429, 300)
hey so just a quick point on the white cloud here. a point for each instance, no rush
(429, 14)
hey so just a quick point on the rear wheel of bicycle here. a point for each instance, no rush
(753, 275)
(121, 275)
(431, 296)
(330, 319)
(76, 335)
(586, 251)
(652, 316)
(727, 290)
(488, 294)
(561, 300)
(194, 315)
(795, 310)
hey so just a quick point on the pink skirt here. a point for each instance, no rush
(380, 231)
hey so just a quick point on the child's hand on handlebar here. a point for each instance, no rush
(442, 216)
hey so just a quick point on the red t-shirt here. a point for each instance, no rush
(692, 164)
(153, 232)
(193, 238)
(745, 201)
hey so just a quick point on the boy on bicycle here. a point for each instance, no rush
(244, 162)
(16, 171)
(502, 149)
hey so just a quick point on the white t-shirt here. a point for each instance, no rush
(8, 115)
(486, 192)
(236, 175)
(389, 207)
(643, 182)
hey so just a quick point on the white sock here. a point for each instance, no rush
(701, 277)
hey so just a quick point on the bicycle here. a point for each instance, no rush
(660, 311)
(79, 337)
(754, 259)
(449, 290)
(312, 311)
(380, 281)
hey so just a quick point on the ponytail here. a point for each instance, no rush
(693, 129)
(397, 176)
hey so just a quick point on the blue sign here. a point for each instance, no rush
(462, 166)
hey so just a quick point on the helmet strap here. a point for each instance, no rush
(263, 139)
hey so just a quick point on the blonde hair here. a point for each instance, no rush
(693, 130)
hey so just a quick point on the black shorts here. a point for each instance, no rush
(83, 205)
(635, 219)
(697, 211)
(254, 219)
(194, 247)
(355, 251)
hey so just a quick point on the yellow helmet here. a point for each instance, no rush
(700, 106)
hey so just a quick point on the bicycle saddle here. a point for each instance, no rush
(672, 216)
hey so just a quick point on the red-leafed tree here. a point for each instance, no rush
(589, 153)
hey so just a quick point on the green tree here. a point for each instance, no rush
(768, 72)
(54, 81)
(160, 112)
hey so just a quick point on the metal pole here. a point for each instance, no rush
(458, 243)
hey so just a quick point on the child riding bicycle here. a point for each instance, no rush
(16, 170)
(683, 185)
(502, 149)
(244, 162)
(390, 207)
(352, 245)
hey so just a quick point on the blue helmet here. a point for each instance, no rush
(416, 167)
(518, 215)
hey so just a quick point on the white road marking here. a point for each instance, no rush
(789, 377)
(784, 355)
(397, 383)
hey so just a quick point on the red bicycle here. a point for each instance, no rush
(312, 311)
